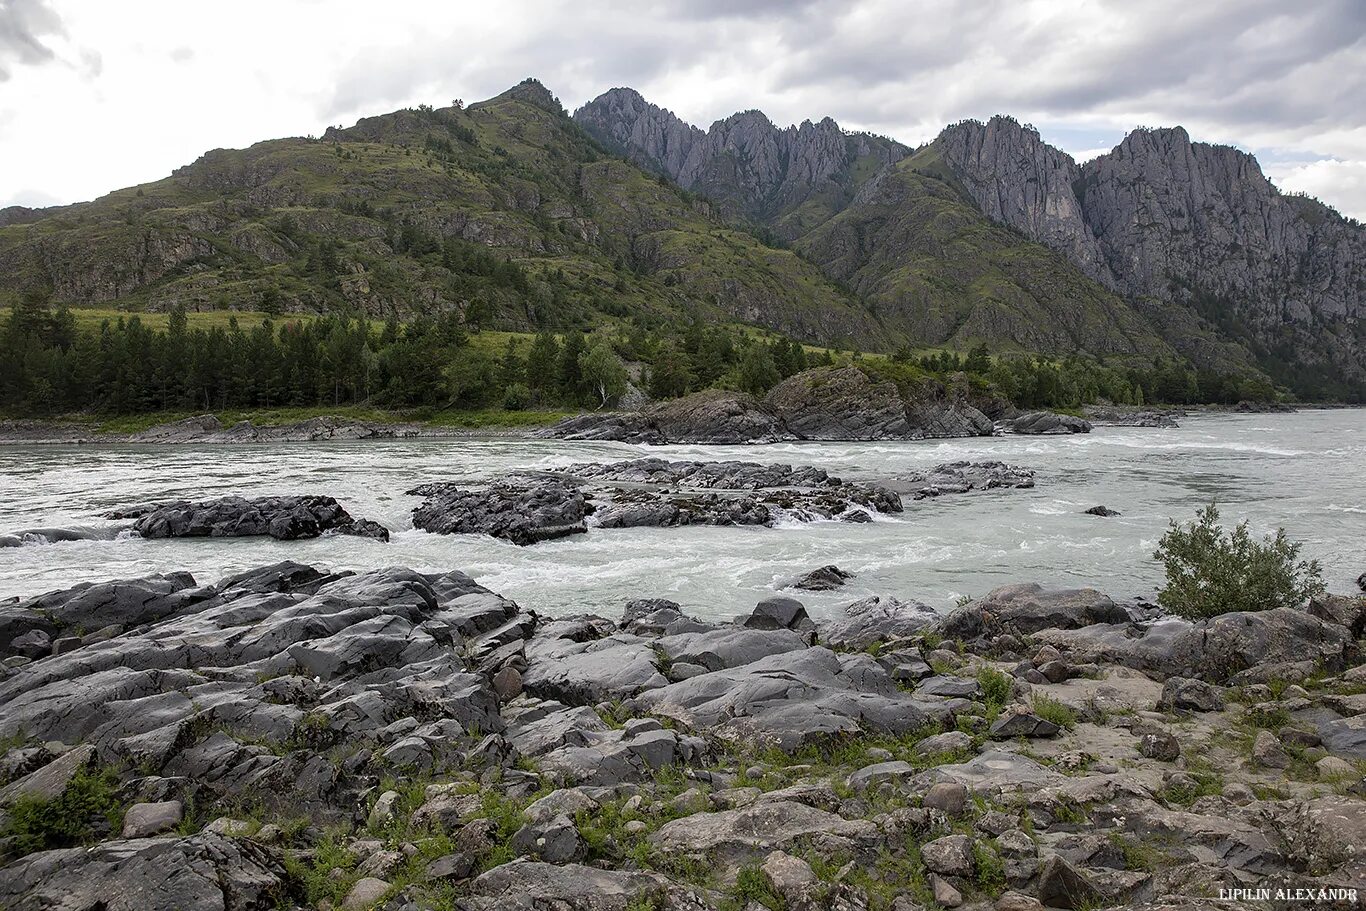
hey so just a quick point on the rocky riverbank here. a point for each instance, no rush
(293, 737)
(208, 429)
(824, 403)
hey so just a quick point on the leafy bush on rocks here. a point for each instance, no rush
(1212, 572)
(87, 808)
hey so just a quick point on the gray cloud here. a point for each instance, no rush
(1254, 73)
(23, 26)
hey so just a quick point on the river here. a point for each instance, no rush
(1304, 471)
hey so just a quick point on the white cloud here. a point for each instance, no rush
(103, 95)
(1343, 182)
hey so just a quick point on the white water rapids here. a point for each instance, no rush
(1306, 471)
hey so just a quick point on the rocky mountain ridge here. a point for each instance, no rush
(1205, 252)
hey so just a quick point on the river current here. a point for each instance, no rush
(1305, 471)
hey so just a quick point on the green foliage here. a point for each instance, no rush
(1212, 572)
(752, 886)
(997, 689)
(602, 373)
(326, 873)
(87, 809)
(989, 870)
(1050, 709)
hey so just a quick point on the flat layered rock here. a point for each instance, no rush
(200, 873)
(793, 699)
(268, 657)
(568, 662)
(963, 476)
(1260, 644)
(755, 830)
(1029, 608)
(1046, 423)
(877, 619)
(525, 885)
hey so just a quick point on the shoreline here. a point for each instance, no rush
(206, 429)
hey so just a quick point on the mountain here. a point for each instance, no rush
(885, 220)
(1162, 244)
(504, 210)
(515, 215)
(1191, 224)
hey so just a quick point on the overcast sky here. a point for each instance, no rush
(100, 95)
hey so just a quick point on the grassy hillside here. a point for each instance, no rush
(504, 211)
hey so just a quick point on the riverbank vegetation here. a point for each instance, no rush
(442, 369)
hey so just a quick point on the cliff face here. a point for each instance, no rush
(896, 227)
(1186, 223)
(1017, 179)
(1164, 208)
(744, 163)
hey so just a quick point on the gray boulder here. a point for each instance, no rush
(840, 403)
(792, 699)
(1344, 610)
(821, 579)
(877, 619)
(779, 613)
(961, 477)
(729, 647)
(1214, 650)
(1345, 736)
(950, 855)
(554, 841)
(1046, 422)
(523, 511)
(593, 670)
(526, 885)
(1022, 724)
(144, 819)
(1028, 608)
(758, 829)
(1190, 695)
(201, 873)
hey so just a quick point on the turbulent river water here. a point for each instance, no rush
(1306, 471)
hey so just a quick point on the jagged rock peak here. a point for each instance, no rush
(648, 134)
(1018, 179)
(743, 161)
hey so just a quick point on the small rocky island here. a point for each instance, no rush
(294, 737)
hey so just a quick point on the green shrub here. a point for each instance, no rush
(751, 885)
(997, 689)
(86, 809)
(1050, 709)
(516, 397)
(1211, 572)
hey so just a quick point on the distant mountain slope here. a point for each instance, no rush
(1194, 225)
(1207, 256)
(897, 229)
(417, 211)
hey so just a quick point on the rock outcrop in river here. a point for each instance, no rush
(824, 403)
(291, 737)
(527, 507)
(282, 518)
